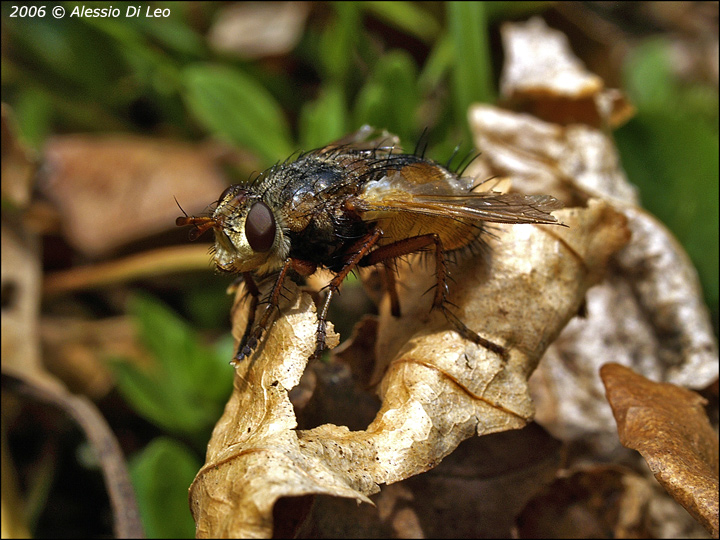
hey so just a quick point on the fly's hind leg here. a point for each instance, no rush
(417, 243)
(391, 287)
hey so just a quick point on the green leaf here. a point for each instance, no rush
(207, 302)
(472, 73)
(188, 387)
(161, 475)
(235, 107)
(325, 119)
(339, 41)
(390, 99)
(34, 113)
(406, 16)
(648, 75)
(175, 35)
(438, 64)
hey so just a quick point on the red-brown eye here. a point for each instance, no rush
(260, 227)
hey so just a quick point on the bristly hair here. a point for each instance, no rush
(471, 156)
(448, 165)
(422, 144)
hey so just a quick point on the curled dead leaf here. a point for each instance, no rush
(495, 477)
(573, 162)
(667, 424)
(649, 312)
(543, 77)
(437, 388)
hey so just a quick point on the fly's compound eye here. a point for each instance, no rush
(260, 227)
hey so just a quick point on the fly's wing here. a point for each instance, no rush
(428, 189)
(490, 206)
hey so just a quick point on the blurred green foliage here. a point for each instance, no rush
(160, 77)
(161, 474)
(186, 389)
(184, 394)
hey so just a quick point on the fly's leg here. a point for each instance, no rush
(361, 250)
(417, 243)
(391, 287)
(251, 290)
(253, 334)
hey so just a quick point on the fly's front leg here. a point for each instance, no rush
(359, 251)
(253, 335)
(251, 290)
(417, 243)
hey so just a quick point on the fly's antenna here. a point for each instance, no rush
(180, 207)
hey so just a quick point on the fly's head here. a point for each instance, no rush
(248, 232)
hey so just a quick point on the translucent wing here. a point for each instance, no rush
(428, 189)
(487, 206)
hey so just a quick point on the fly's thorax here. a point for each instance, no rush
(248, 233)
(309, 194)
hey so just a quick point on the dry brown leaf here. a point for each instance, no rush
(257, 29)
(139, 175)
(649, 312)
(667, 424)
(255, 456)
(437, 388)
(543, 77)
(496, 476)
(479, 489)
(572, 162)
(21, 279)
(21, 266)
(668, 292)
